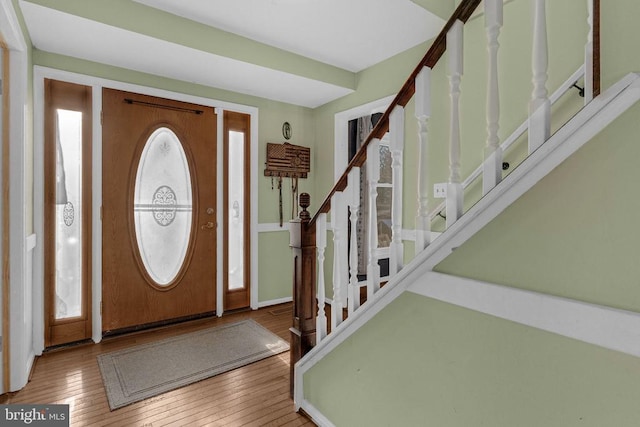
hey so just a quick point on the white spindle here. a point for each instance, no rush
(588, 56)
(340, 249)
(492, 170)
(321, 245)
(422, 113)
(539, 107)
(396, 146)
(373, 176)
(454, 187)
(353, 187)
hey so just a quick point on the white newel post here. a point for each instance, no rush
(353, 189)
(422, 113)
(588, 56)
(321, 245)
(492, 168)
(373, 176)
(454, 186)
(340, 249)
(396, 146)
(539, 107)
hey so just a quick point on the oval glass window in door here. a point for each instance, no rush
(163, 206)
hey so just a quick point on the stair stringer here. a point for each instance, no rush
(594, 117)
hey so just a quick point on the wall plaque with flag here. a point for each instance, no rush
(287, 161)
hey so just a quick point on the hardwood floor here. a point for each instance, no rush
(254, 395)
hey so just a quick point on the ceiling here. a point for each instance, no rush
(303, 52)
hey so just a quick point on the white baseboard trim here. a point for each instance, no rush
(595, 324)
(316, 416)
(263, 304)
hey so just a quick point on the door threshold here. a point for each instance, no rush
(67, 345)
(156, 325)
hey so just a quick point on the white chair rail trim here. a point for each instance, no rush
(595, 324)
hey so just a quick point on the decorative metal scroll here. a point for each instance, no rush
(164, 205)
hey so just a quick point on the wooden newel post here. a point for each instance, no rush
(303, 244)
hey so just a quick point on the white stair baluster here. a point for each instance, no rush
(454, 186)
(396, 146)
(539, 107)
(422, 113)
(373, 176)
(321, 245)
(340, 267)
(492, 168)
(353, 188)
(588, 56)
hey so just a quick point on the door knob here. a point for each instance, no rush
(208, 225)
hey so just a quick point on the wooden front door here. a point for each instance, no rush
(159, 221)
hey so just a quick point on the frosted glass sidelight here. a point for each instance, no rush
(236, 210)
(163, 206)
(68, 221)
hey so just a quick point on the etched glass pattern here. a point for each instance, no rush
(68, 233)
(163, 206)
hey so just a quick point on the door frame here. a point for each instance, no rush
(341, 130)
(97, 83)
(15, 299)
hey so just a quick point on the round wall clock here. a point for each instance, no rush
(286, 130)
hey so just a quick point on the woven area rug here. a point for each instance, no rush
(150, 369)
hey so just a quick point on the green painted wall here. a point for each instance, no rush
(275, 264)
(421, 362)
(572, 235)
(442, 8)
(579, 216)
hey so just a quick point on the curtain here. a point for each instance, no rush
(61, 180)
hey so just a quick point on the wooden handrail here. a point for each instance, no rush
(463, 13)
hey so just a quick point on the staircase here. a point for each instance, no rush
(319, 328)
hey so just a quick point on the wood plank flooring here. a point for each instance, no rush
(254, 395)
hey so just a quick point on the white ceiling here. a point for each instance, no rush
(352, 35)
